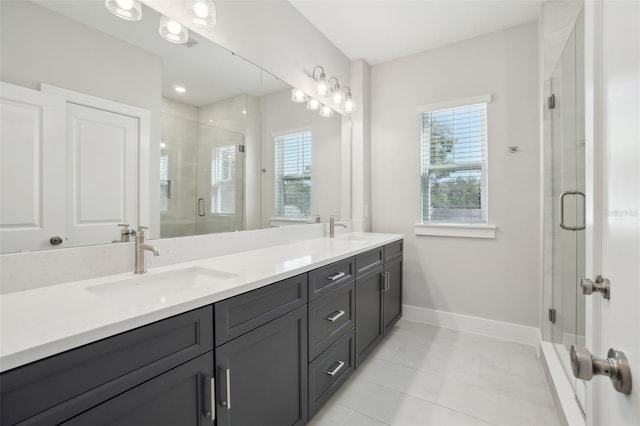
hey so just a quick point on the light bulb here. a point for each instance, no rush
(338, 97)
(322, 86)
(125, 4)
(174, 27)
(201, 9)
(326, 112)
(313, 104)
(202, 13)
(298, 95)
(131, 10)
(349, 105)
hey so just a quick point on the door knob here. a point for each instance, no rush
(602, 285)
(56, 240)
(616, 367)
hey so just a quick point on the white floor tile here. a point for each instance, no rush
(493, 407)
(423, 375)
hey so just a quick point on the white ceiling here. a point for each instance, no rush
(382, 30)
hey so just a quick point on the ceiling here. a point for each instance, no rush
(209, 72)
(382, 30)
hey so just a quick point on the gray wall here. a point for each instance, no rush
(497, 278)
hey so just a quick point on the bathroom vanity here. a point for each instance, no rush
(265, 344)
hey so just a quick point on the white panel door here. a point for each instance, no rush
(620, 213)
(102, 174)
(32, 169)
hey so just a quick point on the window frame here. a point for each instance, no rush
(276, 201)
(480, 229)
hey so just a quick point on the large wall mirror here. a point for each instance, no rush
(106, 123)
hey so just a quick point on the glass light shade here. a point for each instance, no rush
(202, 13)
(349, 105)
(131, 10)
(326, 112)
(322, 86)
(337, 97)
(313, 104)
(173, 31)
(298, 96)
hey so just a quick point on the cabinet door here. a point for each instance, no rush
(368, 313)
(178, 397)
(392, 307)
(262, 375)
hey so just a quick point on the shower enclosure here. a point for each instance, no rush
(201, 176)
(565, 224)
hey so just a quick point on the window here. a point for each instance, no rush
(292, 175)
(223, 180)
(454, 166)
(165, 184)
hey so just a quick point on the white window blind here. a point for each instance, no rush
(223, 179)
(454, 164)
(165, 184)
(292, 175)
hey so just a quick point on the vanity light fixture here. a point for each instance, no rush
(173, 31)
(326, 112)
(298, 96)
(131, 10)
(322, 86)
(313, 104)
(202, 13)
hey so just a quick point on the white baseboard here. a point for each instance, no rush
(498, 329)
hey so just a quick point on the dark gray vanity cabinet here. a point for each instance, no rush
(56, 389)
(261, 375)
(378, 296)
(392, 287)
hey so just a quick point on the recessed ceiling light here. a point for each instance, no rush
(179, 89)
(244, 111)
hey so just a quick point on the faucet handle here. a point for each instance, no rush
(141, 230)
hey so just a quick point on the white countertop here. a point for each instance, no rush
(42, 322)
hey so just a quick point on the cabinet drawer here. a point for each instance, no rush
(330, 316)
(369, 260)
(57, 388)
(322, 280)
(243, 313)
(392, 250)
(330, 370)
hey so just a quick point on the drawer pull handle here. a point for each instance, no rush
(335, 370)
(336, 315)
(336, 276)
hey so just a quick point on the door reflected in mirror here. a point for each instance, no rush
(212, 128)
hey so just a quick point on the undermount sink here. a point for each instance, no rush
(162, 284)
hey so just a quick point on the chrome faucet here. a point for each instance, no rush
(332, 226)
(140, 248)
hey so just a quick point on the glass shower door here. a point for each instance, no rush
(568, 186)
(220, 180)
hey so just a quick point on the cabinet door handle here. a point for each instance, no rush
(228, 397)
(209, 397)
(336, 276)
(335, 370)
(385, 282)
(336, 315)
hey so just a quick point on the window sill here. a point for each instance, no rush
(281, 221)
(455, 230)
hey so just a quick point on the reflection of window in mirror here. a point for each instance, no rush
(223, 180)
(165, 184)
(292, 175)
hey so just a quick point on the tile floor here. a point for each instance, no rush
(423, 375)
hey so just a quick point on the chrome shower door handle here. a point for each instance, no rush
(584, 204)
(201, 207)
